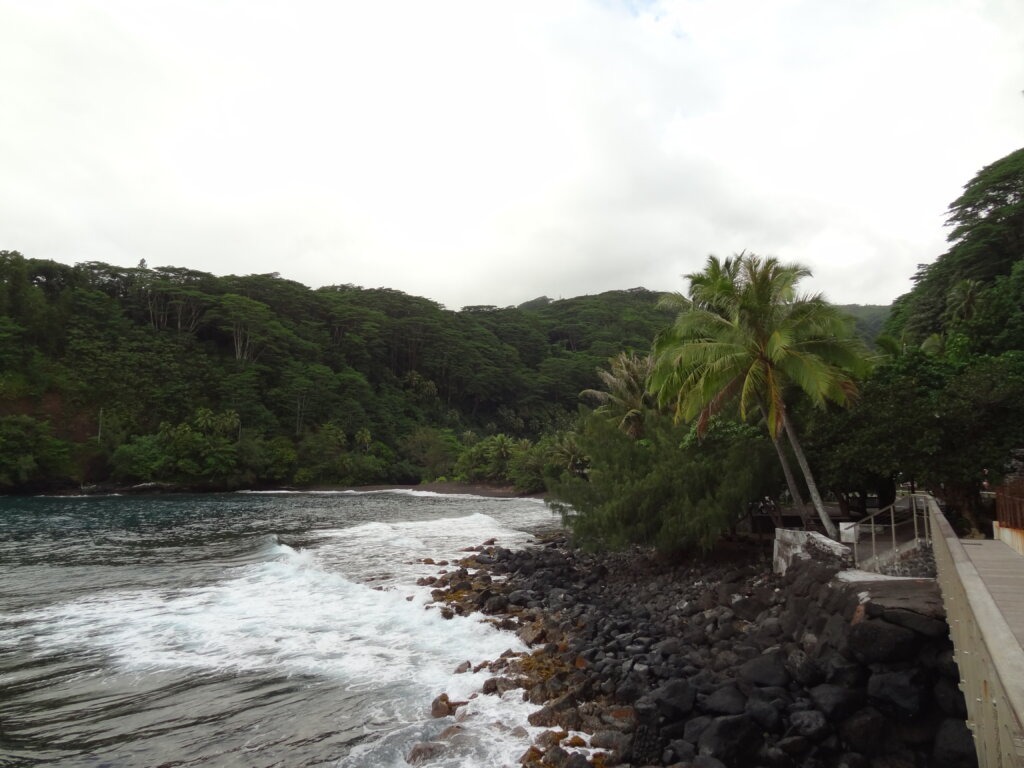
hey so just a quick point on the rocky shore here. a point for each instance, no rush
(634, 661)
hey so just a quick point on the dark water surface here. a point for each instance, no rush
(243, 629)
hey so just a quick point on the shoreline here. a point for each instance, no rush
(637, 661)
(465, 489)
(156, 489)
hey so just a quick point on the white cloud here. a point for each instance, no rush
(482, 153)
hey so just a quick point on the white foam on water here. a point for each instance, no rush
(288, 615)
(396, 491)
(391, 554)
(322, 612)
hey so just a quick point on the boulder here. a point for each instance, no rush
(899, 692)
(954, 745)
(852, 760)
(727, 700)
(836, 701)
(615, 741)
(865, 731)
(519, 597)
(695, 727)
(875, 640)
(424, 751)
(733, 739)
(707, 761)
(803, 668)
(561, 712)
(442, 706)
(767, 716)
(767, 669)
(923, 625)
(495, 604)
(534, 633)
(498, 685)
(556, 757)
(630, 689)
(678, 750)
(673, 699)
(949, 698)
(810, 723)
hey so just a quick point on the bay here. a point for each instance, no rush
(246, 629)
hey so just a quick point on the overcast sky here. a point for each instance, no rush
(489, 153)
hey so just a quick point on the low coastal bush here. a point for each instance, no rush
(668, 489)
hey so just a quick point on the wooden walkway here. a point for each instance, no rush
(1001, 568)
(982, 584)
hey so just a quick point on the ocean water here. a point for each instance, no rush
(246, 629)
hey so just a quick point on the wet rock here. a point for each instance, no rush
(673, 699)
(424, 751)
(678, 750)
(442, 706)
(954, 746)
(842, 672)
(561, 712)
(519, 597)
(949, 698)
(852, 760)
(803, 669)
(532, 634)
(630, 689)
(695, 727)
(810, 723)
(680, 640)
(836, 701)
(865, 731)
(874, 640)
(707, 761)
(766, 715)
(733, 739)
(767, 669)
(611, 740)
(495, 604)
(556, 757)
(793, 745)
(727, 700)
(923, 625)
(670, 646)
(498, 685)
(452, 732)
(902, 758)
(899, 692)
(532, 756)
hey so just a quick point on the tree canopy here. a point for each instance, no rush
(117, 365)
(745, 335)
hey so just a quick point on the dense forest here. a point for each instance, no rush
(176, 376)
(757, 390)
(179, 378)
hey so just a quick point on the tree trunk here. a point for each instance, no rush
(794, 491)
(812, 487)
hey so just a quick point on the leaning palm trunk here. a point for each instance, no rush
(794, 491)
(812, 487)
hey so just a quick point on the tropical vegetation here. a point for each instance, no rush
(649, 419)
(182, 378)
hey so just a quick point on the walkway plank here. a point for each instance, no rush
(1002, 569)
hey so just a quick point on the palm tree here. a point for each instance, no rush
(625, 397)
(744, 334)
(963, 300)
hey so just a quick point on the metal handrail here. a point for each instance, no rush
(916, 511)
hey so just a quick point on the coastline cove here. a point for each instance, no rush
(248, 629)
